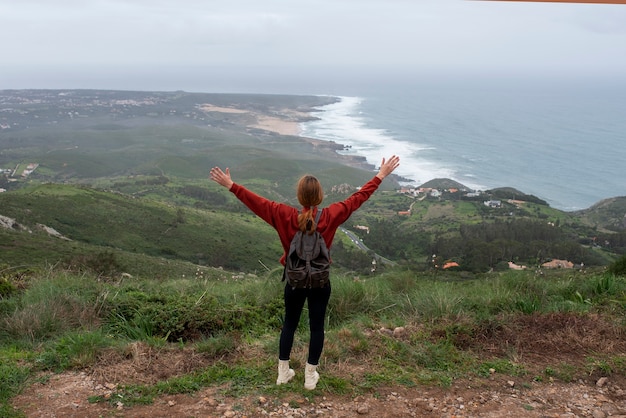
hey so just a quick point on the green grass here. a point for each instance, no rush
(14, 375)
(66, 321)
(142, 227)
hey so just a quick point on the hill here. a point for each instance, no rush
(445, 184)
(606, 215)
(116, 221)
(511, 193)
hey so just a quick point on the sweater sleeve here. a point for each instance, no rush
(342, 210)
(268, 210)
(339, 212)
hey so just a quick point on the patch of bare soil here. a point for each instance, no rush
(538, 341)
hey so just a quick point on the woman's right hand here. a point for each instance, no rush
(387, 167)
(222, 178)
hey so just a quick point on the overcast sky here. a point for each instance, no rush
(286, 45)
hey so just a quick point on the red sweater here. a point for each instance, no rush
(284, 218)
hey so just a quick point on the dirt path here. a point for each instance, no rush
(68, 394)
(542, 341)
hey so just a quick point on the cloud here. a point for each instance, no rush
(225, 38)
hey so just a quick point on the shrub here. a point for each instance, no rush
(74, 350)
(176, 316)
(6, 288)
(50, 306)
(102, 264)
(618, 268)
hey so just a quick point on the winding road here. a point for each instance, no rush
(357, 241)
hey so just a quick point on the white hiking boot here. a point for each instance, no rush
(311, 376)
(285, 374)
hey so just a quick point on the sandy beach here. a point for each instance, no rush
(277, 125)
(288, 123)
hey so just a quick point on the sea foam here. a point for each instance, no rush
(343, 123)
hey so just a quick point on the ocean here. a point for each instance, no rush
(563, 141)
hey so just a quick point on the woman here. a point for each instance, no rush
(288, 220)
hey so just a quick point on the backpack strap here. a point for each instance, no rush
(317, 217)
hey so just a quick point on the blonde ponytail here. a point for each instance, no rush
(306, 223)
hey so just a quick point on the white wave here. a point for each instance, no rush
(343, 123)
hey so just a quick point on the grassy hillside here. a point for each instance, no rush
(397, 330)
(608, 215)
(116, 221)
(201, 223)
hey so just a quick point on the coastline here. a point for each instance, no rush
(287, 122)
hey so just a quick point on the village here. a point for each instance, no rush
(20, 172)
(422, 193)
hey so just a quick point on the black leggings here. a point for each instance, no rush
(294, 303)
